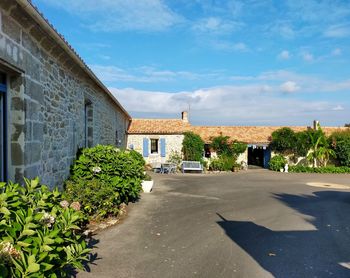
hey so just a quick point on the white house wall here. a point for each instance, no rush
(173, 143)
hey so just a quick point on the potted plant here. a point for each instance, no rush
(147, 184)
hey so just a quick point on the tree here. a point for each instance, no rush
(192, 147)
(283, 140)
(341, 146)
(320, 150)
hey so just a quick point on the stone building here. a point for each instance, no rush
(157, 138)
(51, 103)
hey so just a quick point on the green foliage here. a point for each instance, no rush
(223, 163)
(277, 162)
(327, 169)
(192, 147)
(311, 143)
(341, 146)
(227, 152)
(302, 143)
(283, 140)
(175, 158)
(101, 171)
(320, 150)
(223, 146)
(97, 197)
(39, 232)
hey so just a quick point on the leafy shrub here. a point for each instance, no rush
(39, 232)
(97, 197)
(175, 158)
(223, 146)
(341, 146)
(103, 167)
(283, 140)
(223, 163)
(277, 162)
(302, 143)
(327, 169)
(192, 147)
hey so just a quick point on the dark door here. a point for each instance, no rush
(256, 156)
(3, 128)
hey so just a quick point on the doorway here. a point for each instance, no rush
(259, 156)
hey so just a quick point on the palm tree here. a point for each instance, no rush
(320, 149)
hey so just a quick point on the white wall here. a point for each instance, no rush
(173, 142)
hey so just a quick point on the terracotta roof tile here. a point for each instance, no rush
(158, 126)
(248, 134)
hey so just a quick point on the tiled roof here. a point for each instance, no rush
(248, 134)
(158, 126)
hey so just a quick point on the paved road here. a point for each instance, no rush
(247, 224)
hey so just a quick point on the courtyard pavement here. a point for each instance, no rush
(250, 224)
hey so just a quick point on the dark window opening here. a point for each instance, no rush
(117, 140)
(88, 124)
(207, 152)
(154, 145)
(3, 128)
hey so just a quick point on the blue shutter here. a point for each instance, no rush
(162, 147)
(145, 147)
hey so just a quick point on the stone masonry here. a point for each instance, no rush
(49, 97)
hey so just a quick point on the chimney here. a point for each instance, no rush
(316, 123)
(184, 116)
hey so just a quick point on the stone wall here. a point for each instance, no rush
(47, 95)
(173, 143)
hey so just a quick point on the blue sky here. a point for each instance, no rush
(233, 62)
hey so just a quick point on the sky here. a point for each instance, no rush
(233, 62)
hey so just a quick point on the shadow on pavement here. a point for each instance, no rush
(310, 253)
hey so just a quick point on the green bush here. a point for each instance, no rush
(114, 172)
(223, 146)
(327, 169)
(341, 146)
(223, 163)
(283, 140)
(175, 158)
(40, 232)
(277, 162)
(97, 197)
(192, 147)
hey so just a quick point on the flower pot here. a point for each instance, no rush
(147, 186)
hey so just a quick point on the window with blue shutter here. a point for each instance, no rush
(145, 147)
(162, 147)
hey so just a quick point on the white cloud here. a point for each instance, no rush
(284, 55)
(338, 31)
(307, 56)
(229, 46)
(289, 87)
(336, 52)
(338, 108)
(225, 105)
(146, 74)
(216, 25)
(121, 15)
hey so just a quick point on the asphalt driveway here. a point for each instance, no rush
(248, 224)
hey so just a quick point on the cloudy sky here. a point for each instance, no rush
(233, 62)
